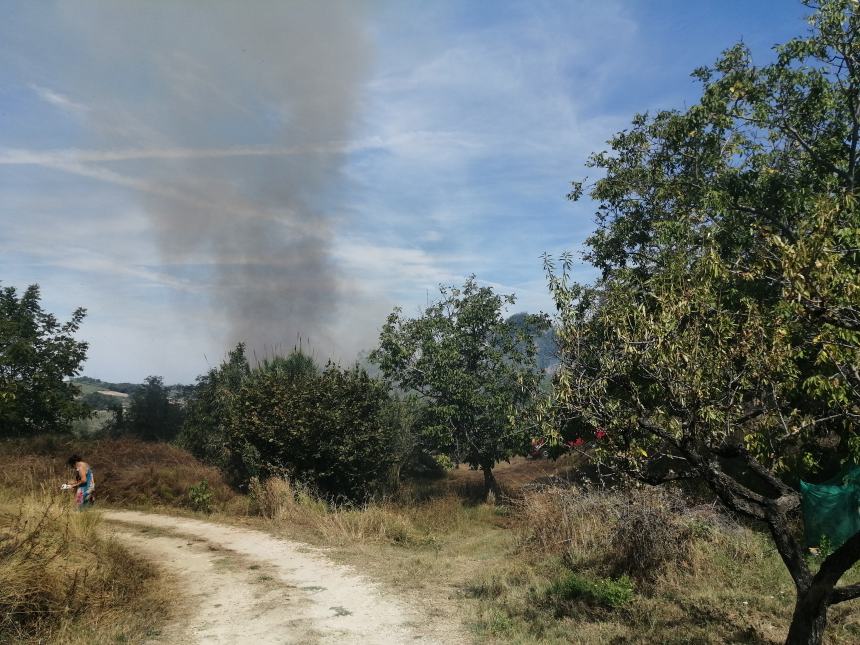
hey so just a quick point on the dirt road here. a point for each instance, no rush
(244, 586)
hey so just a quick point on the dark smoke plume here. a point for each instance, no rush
(245, 108)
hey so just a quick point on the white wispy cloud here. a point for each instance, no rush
(58, 100)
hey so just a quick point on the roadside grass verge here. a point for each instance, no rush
(61, 581)
(639, 566)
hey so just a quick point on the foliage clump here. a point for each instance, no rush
(37, 354)
(649, 538)
(475, 372)
(324, 428)
(200, 496)
(572, 588)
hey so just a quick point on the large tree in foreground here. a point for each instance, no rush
(723, 340)
(37, 354)
(475, 371)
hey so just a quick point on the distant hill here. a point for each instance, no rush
(103, 395)
(89, 385)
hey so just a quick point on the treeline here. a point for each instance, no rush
(458, 384)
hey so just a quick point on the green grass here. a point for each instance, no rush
(602, 592)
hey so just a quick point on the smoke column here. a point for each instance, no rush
(253, 231)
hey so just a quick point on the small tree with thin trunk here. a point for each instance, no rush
(724, 334)
(475, 370)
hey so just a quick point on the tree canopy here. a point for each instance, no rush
(327, 428)
(475, 371)
(152, 416)
(37, 354)
(723, 339)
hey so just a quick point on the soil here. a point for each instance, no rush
(237, 585)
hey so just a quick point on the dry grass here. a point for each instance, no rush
(513, 573)
(698, 575)
(128, 472)
(708, 579)
(395, 522)
(61, 582)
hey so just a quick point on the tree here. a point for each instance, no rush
(151, 415)
(331, 429)
(327, 429)
(37, 354)
(204, 433)
(723, 338)
(475, 370)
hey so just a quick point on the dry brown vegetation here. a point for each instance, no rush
(61, 581)
(549, 566)
(128, 472)
(561, 563)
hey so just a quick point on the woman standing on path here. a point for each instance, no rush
(83, 482)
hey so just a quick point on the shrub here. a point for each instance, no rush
(649, 536)
(200, 496)
(640, 533)
(602, 592)
(326, 431)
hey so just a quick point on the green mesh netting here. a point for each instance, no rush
(832, 509)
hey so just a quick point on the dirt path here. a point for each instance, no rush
(245, 586)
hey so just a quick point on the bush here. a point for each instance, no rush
(602, 592)
(327, 430)
(200, 496)
(650, 535)
(640, 533)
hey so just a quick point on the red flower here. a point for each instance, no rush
(579, 441)
(600, 434)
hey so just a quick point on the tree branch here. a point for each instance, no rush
(836, 564)
(841, 594)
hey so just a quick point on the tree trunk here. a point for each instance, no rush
(490, 484)
(810, 618)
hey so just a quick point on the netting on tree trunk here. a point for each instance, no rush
(831, 510)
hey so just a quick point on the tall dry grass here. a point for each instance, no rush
(61, 581)
(393, 521)
(128, 472)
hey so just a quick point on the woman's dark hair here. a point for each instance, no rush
(74, 459)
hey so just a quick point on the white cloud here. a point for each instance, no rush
(58, 100)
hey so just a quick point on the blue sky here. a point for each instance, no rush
(200, 173)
